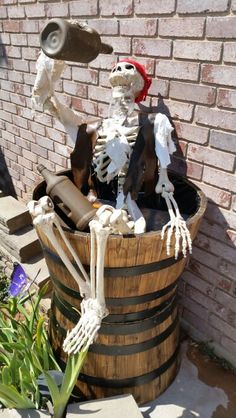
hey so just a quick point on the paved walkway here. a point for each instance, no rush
(202, 389)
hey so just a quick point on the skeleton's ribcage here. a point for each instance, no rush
(101, 160)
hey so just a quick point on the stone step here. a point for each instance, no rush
(14, 215)
(116, 407)
(34, 268)
(23, 245)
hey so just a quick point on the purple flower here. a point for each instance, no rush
(18, 280)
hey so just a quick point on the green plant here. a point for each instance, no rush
(4, 283)
(60, 396)
(25, 351)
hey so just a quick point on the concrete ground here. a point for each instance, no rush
(202, 388)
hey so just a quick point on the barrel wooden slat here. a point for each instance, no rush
(137, 346)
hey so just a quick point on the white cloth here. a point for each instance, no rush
(164, 145)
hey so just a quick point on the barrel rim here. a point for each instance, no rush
(202, 204)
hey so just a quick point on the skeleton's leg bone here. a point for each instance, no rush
(72, 251)
(135, 212)
(83, 286)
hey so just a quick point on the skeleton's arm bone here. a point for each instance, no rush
(163, 182)
(48, 72)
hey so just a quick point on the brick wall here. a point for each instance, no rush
(189, 49)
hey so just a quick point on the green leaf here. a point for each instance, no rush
(6, 376)
(39, 331)
(53, 389)
(11, 398)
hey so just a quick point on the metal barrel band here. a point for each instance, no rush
(123, 271)
(130, 381)
(119, 328)
(124, 317)
(123, 350)
(124, 301)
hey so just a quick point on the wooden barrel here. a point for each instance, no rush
(137, 347)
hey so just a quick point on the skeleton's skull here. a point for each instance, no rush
(125, 78)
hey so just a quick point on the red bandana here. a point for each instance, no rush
(147, 81)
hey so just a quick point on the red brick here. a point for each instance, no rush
(48, 164)
(185, 27)
(13, 52)
(57, 10)
(152, 47)
(99, 93)
(29, 155)
(16, 12)
(11, 26)
(105, 26)
(3, 12)
(121, 45)
(198, 284)
(85, 75)
(217, 177)
(209, 275)
(232, 236)
(72, 88)
(192, 92)
(83, 8)
(18, 39)
(29, 26)
(180, 110)
(192, 133)
(56, 135)
(138, 27)
(212, 157)
(221, 216)
(154, 6)
(219, 74)
(39, 151)
(177, 70)
(197, 50)
(58, 159)
(221, 27)
(194, 170)
(104, 61)
(229, 52)
(86, 106)
(63, 150)
(159, 87)
(30, 53)
(25, 162)
(203, 6)
(234, 203)
(223, 327)
(11, 156)
(223, 140)
(226, 98)
(218, 118)
(215, 247)
(115, 7)
(103, 110)
(35, 10)
(5, 116)
(20, 65)
(202, 326)
(226, 300)
(33, 40)
(220, 197)
(10, 107)
(44, 142)
(194, 307)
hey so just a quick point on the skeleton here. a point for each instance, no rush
(116, 137)
(93, 307)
